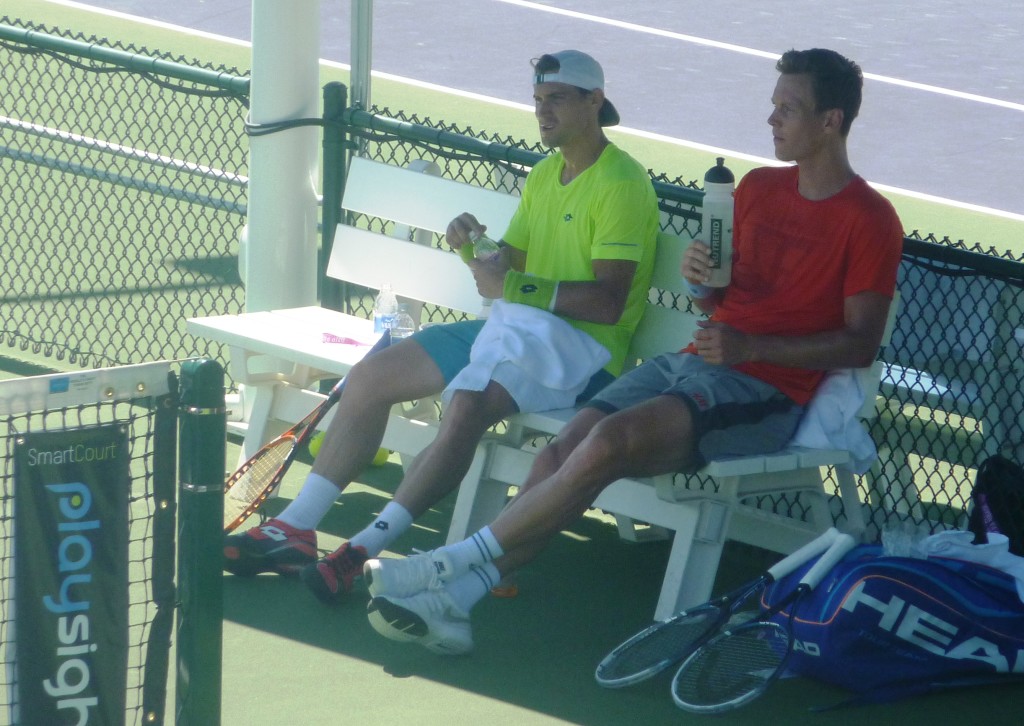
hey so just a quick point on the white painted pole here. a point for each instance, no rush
(361, 53)
(278, 260)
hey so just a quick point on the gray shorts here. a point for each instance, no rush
(733, 414)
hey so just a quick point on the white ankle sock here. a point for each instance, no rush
(385, 529)
(313, 501)
(468, 589)
(477, 550)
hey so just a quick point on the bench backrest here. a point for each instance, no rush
(423, 200)
(664, 329)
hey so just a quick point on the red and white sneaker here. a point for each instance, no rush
(331, 577)
(270, 547)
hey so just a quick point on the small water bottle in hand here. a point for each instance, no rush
(481, 247)
(484, 247)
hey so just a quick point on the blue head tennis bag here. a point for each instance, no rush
(890, 627)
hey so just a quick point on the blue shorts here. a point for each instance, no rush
(448, 344)
(733, 414)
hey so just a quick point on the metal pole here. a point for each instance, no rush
(335, 167)
(362, 52)
(202, 444)
(278, 260)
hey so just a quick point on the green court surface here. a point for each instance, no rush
(288, 659)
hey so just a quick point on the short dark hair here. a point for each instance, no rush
(836, 81)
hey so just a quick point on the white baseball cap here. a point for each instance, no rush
(575, 68)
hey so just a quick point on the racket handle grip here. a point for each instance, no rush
(842, 544)
(806, 553)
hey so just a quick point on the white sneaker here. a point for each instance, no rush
(429, 618)
(405, 576)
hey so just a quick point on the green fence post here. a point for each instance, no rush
(164, 537)
(335, 98)
(202, 444)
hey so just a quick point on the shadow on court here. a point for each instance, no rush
(535, 654)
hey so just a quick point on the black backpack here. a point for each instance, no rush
(998, 502)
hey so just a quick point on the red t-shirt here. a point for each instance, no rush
(796, 260)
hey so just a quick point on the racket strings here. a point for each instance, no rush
(253, 481)
(663, 645)
(737, 665)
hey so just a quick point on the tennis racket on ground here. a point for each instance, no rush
(664, 644)
(736, 666)
(248, 488)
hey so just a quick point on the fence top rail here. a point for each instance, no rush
(979, 263)
(237, 85)
(359, 121)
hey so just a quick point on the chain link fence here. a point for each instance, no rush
(122, 174)
(953, 380)
(112, 244)
(487, 160)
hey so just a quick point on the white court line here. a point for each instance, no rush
(640, 133)
(529, 108)
(152, 23)
(759, 53)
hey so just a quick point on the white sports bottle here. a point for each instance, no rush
(716, 222)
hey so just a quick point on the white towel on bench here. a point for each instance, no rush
(830, 420)
(542, 361)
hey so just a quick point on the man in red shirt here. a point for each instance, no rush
(814, 270)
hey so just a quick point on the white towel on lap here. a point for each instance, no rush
(541, 360)
(830, 420)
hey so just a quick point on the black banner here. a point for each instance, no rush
(71, 575)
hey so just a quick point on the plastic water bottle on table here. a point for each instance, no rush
(385, 309)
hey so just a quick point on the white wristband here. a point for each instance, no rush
(554, 298)
(697, 292)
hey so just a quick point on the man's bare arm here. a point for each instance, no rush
(855, 345)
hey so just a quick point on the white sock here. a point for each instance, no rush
(313, 501)
(385, 529)
(467, 590)
(477, 550)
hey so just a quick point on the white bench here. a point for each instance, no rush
(278, 356)
(703, 511)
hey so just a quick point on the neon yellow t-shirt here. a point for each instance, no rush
(609, 212)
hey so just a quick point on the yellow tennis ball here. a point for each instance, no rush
(381, 458)
(315, 442)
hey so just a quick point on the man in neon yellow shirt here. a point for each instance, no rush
(595, 216)
(576, 260)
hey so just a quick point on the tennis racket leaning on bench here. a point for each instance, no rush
(249, 487)
(666, 643)
(737, 665)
